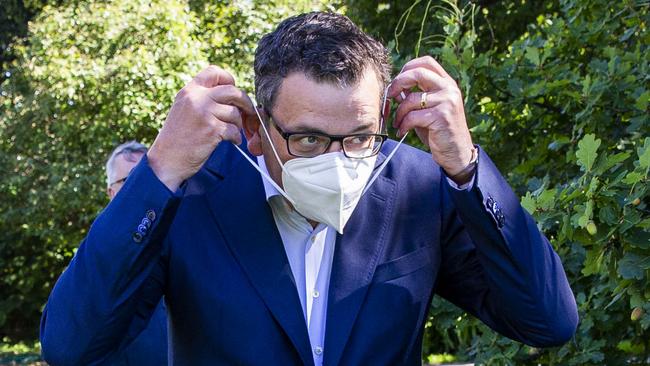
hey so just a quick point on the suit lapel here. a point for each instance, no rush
(246, 221)
(355, 259)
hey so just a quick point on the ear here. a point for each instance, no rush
(252, 131)
(110, 192)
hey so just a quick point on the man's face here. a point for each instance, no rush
(122, 166)
(304, 105)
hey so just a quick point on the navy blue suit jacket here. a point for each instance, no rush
(215, 254)
(144, 347)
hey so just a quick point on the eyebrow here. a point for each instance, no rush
(309, 129)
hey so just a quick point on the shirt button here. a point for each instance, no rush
(318, 350)
(313, 239)
(315, 294)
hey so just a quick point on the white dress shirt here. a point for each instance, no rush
(310, 252)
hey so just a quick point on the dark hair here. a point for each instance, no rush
(327, 47)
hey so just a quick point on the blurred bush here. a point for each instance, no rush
(88, 76)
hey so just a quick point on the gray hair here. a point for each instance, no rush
(327, 47)
(128, 148)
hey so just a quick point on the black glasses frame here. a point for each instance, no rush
(332, 138)
(121, 180)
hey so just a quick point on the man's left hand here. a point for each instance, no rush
(438, 117)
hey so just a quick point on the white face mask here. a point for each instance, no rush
(325, 188)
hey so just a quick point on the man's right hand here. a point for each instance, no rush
(208, 110)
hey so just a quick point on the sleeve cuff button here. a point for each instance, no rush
(137, 237)
(151, 215)
(142, 229)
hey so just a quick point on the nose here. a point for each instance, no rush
(335, 146)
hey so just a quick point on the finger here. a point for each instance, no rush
(212, 76)
(424, 79)
(227, 114)
(401, 96)
(229, 132)
(414, 102)
(423, 118)
(427, 62)
(229, 94)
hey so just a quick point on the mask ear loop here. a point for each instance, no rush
(254, 164)
(390, 156)
(268, 136)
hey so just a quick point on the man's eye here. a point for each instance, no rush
(360, 139)
(310, 140)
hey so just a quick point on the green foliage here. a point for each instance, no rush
(87, 78)
(13, 25)
(562, 107)
(20, 353)
(90, 75)
(556, 92)
(231, 30)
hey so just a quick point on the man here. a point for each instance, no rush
(139, 347)
(323, 243)
(120, 163)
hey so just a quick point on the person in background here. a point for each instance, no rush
(149, 347)
(120, 163)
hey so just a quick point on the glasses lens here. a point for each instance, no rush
(307, 145)
(362, 146)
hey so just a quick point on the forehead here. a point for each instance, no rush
(303, 102)
(124, 162)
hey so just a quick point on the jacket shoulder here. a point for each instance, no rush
(410, 164)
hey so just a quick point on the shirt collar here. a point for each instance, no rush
(269, 190)
(281, 208)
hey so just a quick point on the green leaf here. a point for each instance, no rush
(592, 262)
(638, 237)
(615, 159)
(528, 202)
(546, 199)
(644, 154)
(632, 266)
(587, 151)
(586, 216)
(608, 215)
(631, 219)
(632, 178)
(532, 55)
(642, 101)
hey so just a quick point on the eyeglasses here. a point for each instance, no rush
(122, 180)
(312, 144)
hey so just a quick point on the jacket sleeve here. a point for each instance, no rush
(115, 279)
(498, 266)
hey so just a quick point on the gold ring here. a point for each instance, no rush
(423, 100)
